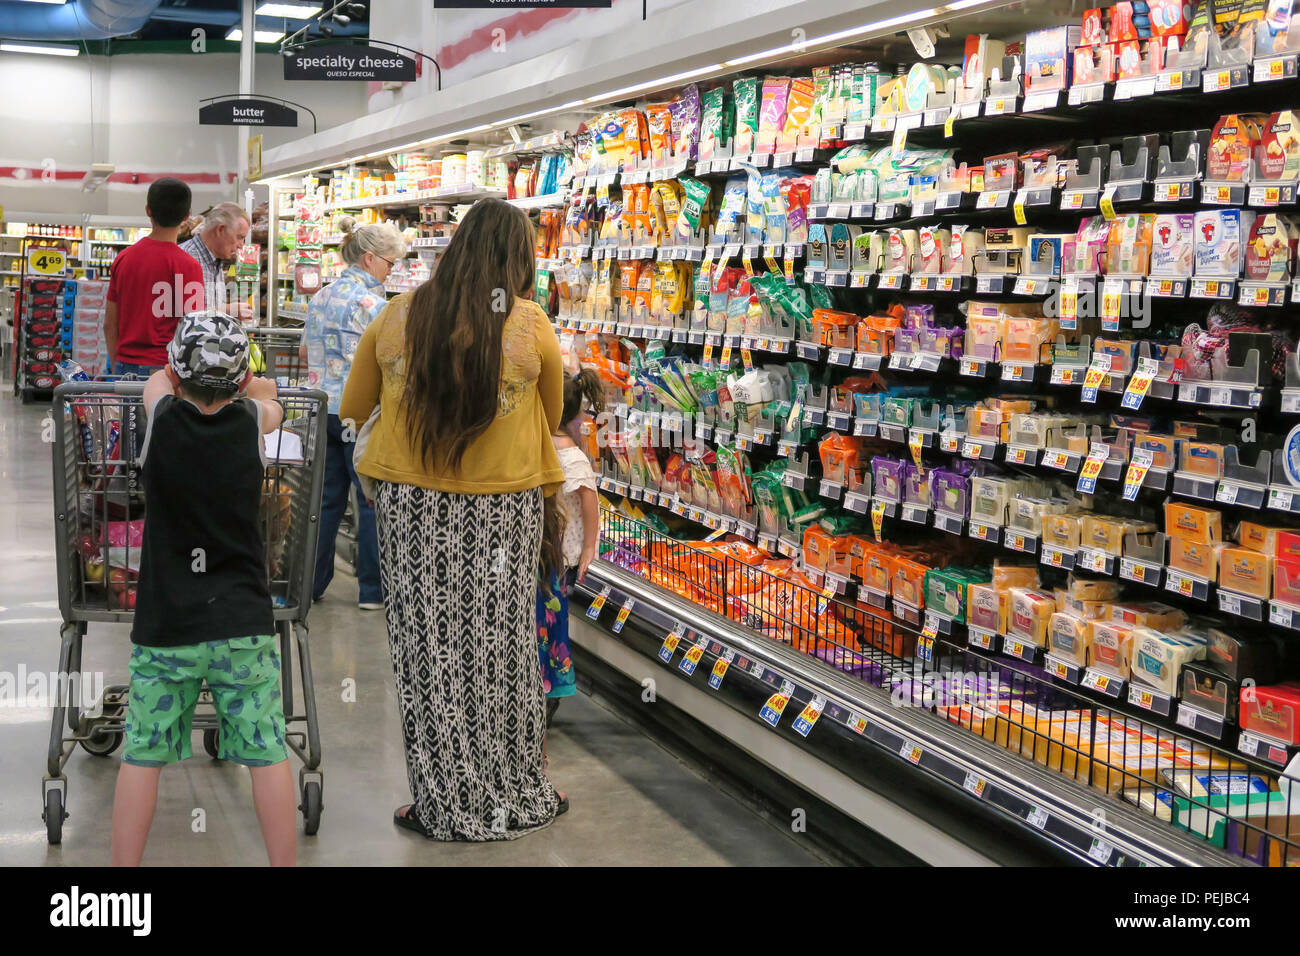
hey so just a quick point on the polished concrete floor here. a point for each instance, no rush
(633, 803)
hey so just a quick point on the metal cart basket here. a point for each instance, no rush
(99, 512)
(279, 348)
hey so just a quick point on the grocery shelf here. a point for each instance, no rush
(852, 713)
(464, 193)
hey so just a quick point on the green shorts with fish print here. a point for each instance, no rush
(243, 674)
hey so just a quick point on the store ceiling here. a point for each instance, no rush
(175, 19)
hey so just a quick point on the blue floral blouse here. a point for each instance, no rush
(336, 317)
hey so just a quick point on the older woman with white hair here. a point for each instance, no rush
(214, 245)
(336, 317)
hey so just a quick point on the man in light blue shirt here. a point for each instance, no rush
(336, 317)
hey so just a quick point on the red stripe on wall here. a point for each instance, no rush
(515, 26)
(30, 174)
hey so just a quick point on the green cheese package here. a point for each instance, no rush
(695, 197)
(842, 522)
(745, 90)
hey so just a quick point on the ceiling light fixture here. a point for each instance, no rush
(288, 11)
(236, 35)
(10, 47)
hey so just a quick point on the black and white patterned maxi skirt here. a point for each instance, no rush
(460, 572)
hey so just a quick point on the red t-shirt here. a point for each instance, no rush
(153, 283)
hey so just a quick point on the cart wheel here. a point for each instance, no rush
(54, 816)
(101, 743)
(311, 807)
(552, 705)
(212, 743)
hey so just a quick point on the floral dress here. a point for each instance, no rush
(558, 678)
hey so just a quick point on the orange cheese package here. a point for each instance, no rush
(1106, 534)
(1193, 522)
(1007, 576)
(840, 456)
(1092, 589)
(1194, 557)
(1246, 571)
(1232, 144)
(877, 569)
(1152, 614)
(1110, 640)
(1258, 537)
(1031, 613)
(908, 583)
(841, 554)
(982, 607)
(659, 130)
(1062, 530)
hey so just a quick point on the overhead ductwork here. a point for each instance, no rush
(74, 20)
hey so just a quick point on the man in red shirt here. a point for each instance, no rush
(153, 283)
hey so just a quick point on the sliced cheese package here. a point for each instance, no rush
(1069, 638)
(1157, 658)
(1110, 641)
(1031, 612)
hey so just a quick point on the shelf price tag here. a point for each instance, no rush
(910, 752)
(877, 517)
(828, 592)
(708, 354)
(623, 612)
(947, 124)
(1098, 452)
(598, 602)
(1018, 208)
(776, 704)
(670, 643)
(726, 356)
(809, 715)
(720, 668)
(1096, 374)
(974, 783)
(47, 262)
(747, 358)
(1107, 203)
(1140, 383)
(915, 442)
(1136, 474)
(691, 658)
(1069, 303)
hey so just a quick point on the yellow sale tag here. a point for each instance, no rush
(749, 266)
(1222, 193)
(771, 264)
(1275, 69)
(47, 261)
(1173, 190)
(622, 616)
(1145, 698)
(1107, 203)
(1261, 296)
(1175, 81)
(899, 142)
(1212, 287)
(747, 359)
(789, 268)
(695, 653)
(1271, 195)
(1018, 208)
(974, 450)
(1185, 587)
(726, 356)
(877, 517)
(708, 354)
(915, 445)
(1224, 79)
(719, 669)
(1101, 682)
(947, 125)
(1069, 302)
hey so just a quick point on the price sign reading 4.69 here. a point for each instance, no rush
(47, 262)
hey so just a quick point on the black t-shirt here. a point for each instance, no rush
(203, 564)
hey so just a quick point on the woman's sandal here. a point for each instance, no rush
(563, 806)
(407, 822)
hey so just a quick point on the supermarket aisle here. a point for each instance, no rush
(633, 804)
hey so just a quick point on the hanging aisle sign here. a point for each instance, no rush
(342, 61)
(247, 111)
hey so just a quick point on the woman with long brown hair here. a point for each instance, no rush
(467, 374)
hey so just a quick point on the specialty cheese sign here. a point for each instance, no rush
(345, 62)
(247, 111)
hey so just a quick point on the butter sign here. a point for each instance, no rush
(247, 111)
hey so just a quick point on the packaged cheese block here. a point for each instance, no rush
(1152, 614)
(1278, 154)
(1193, 522)
(982, 607)
(945, 593)
(1172, 245)
(1069, 638)
(1221, 236)
(1194, 557)
(1106, 534)
(931, 243)
(900, 247)
(964, 245)
(1031, 612)
(1232, 143)
(1272, 711)
(1088, 610)
(1007, 576)
(989, 497)
(1270, 249)
(1092, 589)
(1258, 537)
(1110, 647)
(1163, 449)
(1157, 658)
(1062, 530)
(1246, 571)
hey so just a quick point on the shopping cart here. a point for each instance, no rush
(99, 513)
(279, 348)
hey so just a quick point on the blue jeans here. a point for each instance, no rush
(339, 476)
(126, 368)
